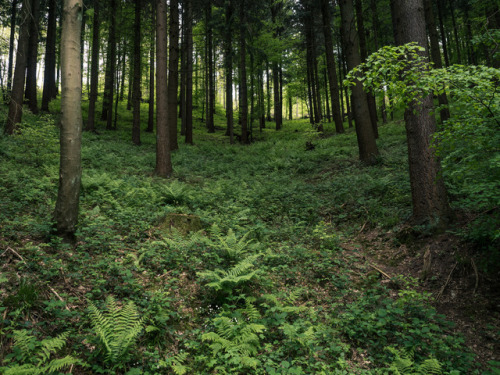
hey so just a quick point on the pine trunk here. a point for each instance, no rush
(189, 72)
(173, 76)
(136, 89)
(31, 89)
(49, 80)
(94, 70)
(229, 71)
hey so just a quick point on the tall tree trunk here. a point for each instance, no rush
(31, 89)
(107, 99)
(317, 87)
(136, 93)
(229, 71)
(151, 108)
(243, 75)
(436, 54)
(173, 73)
(16, 100)
(210, 71)
(49, 80)
(11, 46)
(444, 41)
(189, 72)
(278, 107)
(363, 50)
(94, 70)
(66, 211)
(268, 92)
(368, 150)
(327, 99)
(163, 160)
(455, 32)
(430, 203)
(330, 65)
(376, 28)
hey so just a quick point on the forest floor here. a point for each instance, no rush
(286, 256)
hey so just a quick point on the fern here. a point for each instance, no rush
(237, 336)
(404, 364)
(231, 246)
(176, 363)
(226, 281)
(35, 355)
(117, 328)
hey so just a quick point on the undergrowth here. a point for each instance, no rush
(264, 287)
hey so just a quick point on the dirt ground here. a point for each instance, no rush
(448, 268)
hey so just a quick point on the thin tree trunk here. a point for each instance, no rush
(243, 75)
(368, 151)
(455, 32)
(107, 100)
(268, 92)
(11, 46)
(94, 72)
(229, 71)
(173, 74)
(189, 72)
(31, 89)
(436, 54)
(14, 116)
(151, 108)
(330, 65)
(444, 42)
(49, 80)
(136, 90)
(210, 71)
(327, 99)
(163, 160)
(66, 211)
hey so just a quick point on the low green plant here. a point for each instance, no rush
(33, 357)
(117, 328)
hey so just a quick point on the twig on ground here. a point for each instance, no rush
(379, 270)
(15, 253)
(446, 283)
(476, 274)
(59, 297)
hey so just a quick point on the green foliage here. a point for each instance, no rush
(34, 357)
(117, 328)
(404, 363)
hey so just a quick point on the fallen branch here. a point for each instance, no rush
(476, 274)
(379, 270)
(446, 283)
(15, 253)
(59, 297)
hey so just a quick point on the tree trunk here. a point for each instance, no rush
(268, 92)
(444, 42)
(327, 99)
(151, 108)
(49, 80)
(363, 50)
(16, 100)
(94, 70)
(189, 72)
(430, 203)
(243, 75)
(11, 46)
(31, 89)
(173, 76)
(376, 27)
(455, 32)
(330, 65)
(107, 100)
(136, 89)
(163, 160)
(66, 211)
(435, 54)
(210, 71)
(229, 71)
(368, 151)
(278, 107)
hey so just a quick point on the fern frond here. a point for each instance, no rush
(430, 366)
(51, 345)
(56, 365)
(23, 370)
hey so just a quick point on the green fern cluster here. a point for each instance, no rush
(117, 328)
(404, 364)
(34, 355)
(237, 336)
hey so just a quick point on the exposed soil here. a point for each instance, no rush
(447, 268)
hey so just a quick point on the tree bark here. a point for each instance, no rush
(429, 198)
(363, 50)
(368, 151)
(444, 41)
(14, 116)
(151, 108)
(278, 107)
(107, 101)
(49, 80)
(94, 70)
(229, 71)
(136, 90)
(173, 76)
(66, 211)
(210, 71)
(243, 75)
(11, 46)
(330, 65)
(189, 72)
(163, 160)
(31, 89)
(435, 54)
